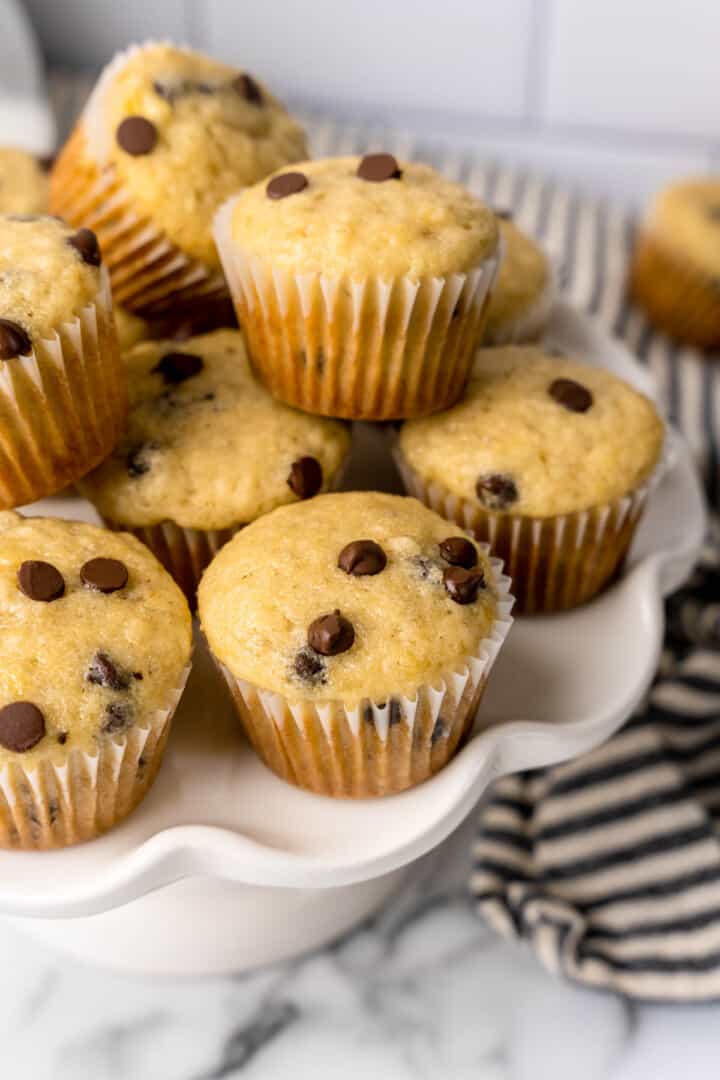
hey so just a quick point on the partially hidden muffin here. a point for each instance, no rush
(166, 136)
(356, 633)
(23, 183)
(361, 284)
(524, 290)
(62, 390)
(548, 460)
(95, 648)
(206, 451)
(675, 265)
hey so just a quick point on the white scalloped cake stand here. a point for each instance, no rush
(224, 866)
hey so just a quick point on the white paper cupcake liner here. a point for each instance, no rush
(62, 405)
(555, 563)
(372, 748)
(54, 805)
(363, 350)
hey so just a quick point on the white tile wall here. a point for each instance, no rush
(616, 95)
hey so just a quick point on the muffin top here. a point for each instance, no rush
(347, 596)
(364, 216)
(131, 329)
(685, 217)
(23, 183)
(95, 637)
(185, 132)
(523, 277)
(48, 272)
(538, 434)
(205, 445)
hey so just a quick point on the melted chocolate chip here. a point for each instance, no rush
(86, 244)
(104, 575)
(22, 726)
(305, 477)
(135, 460)
(463, 585)
(289, 183)
(105, 672)
(247, 88)
(310, 667)
(118, 716)
(14, 341)
(458, 551)
(570, 394)
(136, 135)
(62, 737)
(495, 491)
(379, 167)
(40, 581)
(362, 558)
(176, 367)
(331, 634)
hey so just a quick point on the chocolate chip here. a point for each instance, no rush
(463, 585)
(362, 558)
(310, 667)
(118, 716)
(14, 341)
(438, 731)
(136, 135)
(379, 167)
(62, 737)
(105, 672)
(495, 491)
(331, 634)
(46, 162)
(86, 243)
(247, 88)
(459, 552)
(570, 394)
(504, 214)
(289, 183)
(176, 367)
(40, 580)
(305, 477)
(22, 726)
(104, 575)
(136, 462)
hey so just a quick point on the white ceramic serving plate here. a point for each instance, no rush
(224, 866)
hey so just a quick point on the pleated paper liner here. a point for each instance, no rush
(53, 806)
(372, 748)
(362, 350)
(62, 405)
(529, 325)
(149, 273)
(677, 295)
(555, 563)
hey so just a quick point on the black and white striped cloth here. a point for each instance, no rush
(608, 865)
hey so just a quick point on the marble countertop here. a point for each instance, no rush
(422, 991)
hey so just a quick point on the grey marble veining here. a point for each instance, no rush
(422, 991)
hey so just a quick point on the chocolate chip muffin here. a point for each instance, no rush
(675, 267)
(166, 136)
(62, 393)
(95, 646)
(360, 284)
(206, 451)
(356, 632)
(523, 292)
(23, 183)
(549, 461)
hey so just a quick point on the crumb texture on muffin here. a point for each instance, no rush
(538, 435)
(44, 278)
(23, 183)
(288, 606)
(211, 131)
(416, 223)
(94, 655)
(205, 445)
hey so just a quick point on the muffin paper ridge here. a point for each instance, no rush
(52, 806)
(62, 405)
(371, 349)
(372, 748)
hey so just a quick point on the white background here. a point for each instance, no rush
(618, 95)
